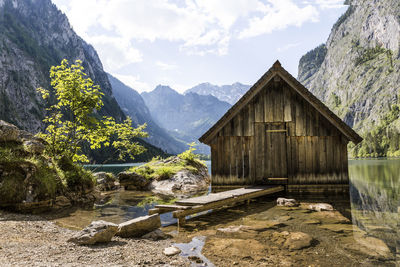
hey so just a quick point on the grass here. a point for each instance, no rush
(158, 169)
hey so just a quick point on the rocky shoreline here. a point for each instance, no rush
(261, 234)
(30, 240)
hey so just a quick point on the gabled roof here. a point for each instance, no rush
(278, 70)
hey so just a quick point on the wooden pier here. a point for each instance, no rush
(185, 207)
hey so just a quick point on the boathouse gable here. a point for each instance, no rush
(278, 132)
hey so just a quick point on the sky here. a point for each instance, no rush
(182, 43)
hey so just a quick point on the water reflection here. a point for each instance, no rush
(373, 207)
(374, 195)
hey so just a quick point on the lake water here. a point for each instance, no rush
(373, 205)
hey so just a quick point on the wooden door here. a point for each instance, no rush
(270, 148)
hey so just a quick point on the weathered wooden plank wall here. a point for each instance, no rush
(279, 134)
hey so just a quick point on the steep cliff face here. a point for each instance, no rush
(356, 73)
(134, 106)
(35, 35)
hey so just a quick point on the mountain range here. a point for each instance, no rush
(185, 116)
(134, 106)
(355, 73)
(228, 93)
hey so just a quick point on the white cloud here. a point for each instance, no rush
(115, 52)
(166, 66)
(278, 15)
(328, 4)
(133, 81)
(287, 47)
(197, 26)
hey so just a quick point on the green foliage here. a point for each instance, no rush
(335, 100)
(72, 121)
(158, 169)
(188, 155)
(383, 140)
(367, 54)
(75, 177)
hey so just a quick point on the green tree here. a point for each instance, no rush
(73, 121)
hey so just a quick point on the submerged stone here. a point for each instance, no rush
(297, 240)
(370, 246)
(339, 228)
(240, 231)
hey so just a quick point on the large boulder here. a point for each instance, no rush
(106, 181)
(183, 183)
(133, 181)
(8, 132)
(139, 226)
(96, 232)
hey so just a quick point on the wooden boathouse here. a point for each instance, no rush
(280, 133)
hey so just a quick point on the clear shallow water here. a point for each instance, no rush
(374, 200)
(374, 197)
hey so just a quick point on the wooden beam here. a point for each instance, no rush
(218, 204)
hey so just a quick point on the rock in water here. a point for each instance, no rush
(139, 226)
(297, 240)
(133, 181)
(8, 132)
(105, 181)
(96, 232)
(171, 251)
(321, 207)
(287, 202)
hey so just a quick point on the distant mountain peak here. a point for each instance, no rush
(228, 93)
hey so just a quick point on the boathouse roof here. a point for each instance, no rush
(276, 72)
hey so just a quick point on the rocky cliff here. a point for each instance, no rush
(356, 73)
(35, 35)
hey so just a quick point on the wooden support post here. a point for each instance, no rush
(181, 221)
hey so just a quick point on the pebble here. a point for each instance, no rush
(171, 251)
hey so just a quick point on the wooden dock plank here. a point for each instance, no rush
(227, 200)
(214, 197)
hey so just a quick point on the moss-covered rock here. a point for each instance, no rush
(175, 176)
(31, 181)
